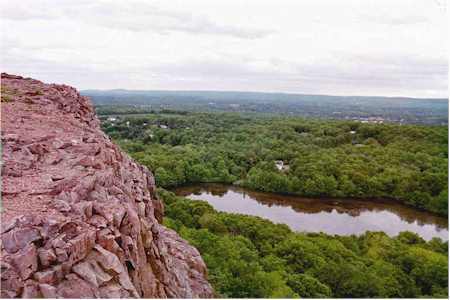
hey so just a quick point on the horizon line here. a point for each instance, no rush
(261, 92)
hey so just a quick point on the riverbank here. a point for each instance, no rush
(329, 215)
(252, 257)
(241, 184)
(292, 155)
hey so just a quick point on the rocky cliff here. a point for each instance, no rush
(79, 217)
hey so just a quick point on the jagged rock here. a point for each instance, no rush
(75, 287)
(11, 76)
(83, 208)
(47, 290)
(47, 276)
(108, 260)
(85, 271)
(114, 190)
(61, 255)
(80, 218)
(26, 261)
(10, 171)
(125, 282)
(11, 283)
(80, 246)
(17, 239)
(61, 206)
(38, 148)
(98, 221)
(30, 290)
(113, 290)
(101, 276)
(10, 137)
(46, 256)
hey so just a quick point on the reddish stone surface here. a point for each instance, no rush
(79, 217)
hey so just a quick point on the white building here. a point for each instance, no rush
(279, 164)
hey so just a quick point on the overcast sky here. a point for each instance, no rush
(361, 47)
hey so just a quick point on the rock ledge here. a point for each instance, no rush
(80, 219)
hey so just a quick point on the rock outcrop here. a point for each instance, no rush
(80, 219)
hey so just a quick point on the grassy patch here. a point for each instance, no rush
(6, 94)
(6, 98)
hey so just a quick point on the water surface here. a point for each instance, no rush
(332, 216)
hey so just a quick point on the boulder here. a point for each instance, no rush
(46, 256)
(47, 291)
(18, 238)
(26, 261)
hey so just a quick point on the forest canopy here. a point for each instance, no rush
(249, 257)
(320, 158)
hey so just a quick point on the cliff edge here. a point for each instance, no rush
(80, 219)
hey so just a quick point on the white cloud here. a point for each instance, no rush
(317, 46)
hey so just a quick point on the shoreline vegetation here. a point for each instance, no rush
(371, 200)
(251, 257)
(327, 215)
(291, 155)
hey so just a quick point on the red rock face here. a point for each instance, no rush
(80, 219)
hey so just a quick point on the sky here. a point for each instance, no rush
(359, 47)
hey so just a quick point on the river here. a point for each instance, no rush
(332, 216)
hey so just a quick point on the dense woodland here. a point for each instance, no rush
(321, 158)
(249, 257)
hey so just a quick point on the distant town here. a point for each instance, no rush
(375, 110)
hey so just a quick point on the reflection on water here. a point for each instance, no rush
(333, 216)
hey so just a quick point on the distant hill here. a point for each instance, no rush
(363, 108)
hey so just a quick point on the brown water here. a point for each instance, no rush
(332, 216)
